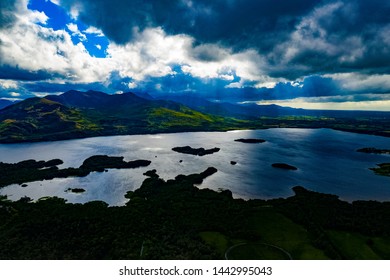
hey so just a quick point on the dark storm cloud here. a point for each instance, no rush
(357, 31)
(345, 36)
(14, 73)
(46, 87)
(352, 98)
(315, 88)
(7, 17)
(231, 21)
(216, 89)
(312, 86)
(318, 89)
(208, 52)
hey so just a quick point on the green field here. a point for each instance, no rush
(250, 251)
(275, 229)
(359, 247)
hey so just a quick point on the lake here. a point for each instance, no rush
(326, 159)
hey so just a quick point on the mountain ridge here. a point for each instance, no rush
(76, 114)
(252, 110)
(5, 103)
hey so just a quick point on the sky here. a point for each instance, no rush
(303, 53)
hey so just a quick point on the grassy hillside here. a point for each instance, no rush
(39, 119)
(165, 119)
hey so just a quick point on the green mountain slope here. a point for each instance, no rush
(38, 119)
(84, 114)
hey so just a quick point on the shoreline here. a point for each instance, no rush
(387, 135)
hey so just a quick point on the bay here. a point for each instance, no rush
(326, 159)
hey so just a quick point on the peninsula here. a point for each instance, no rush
(32, 170)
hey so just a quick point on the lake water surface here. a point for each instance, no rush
(327, 162)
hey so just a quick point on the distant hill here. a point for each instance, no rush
(246, 111)
(4, 103)
(144, 95)
(126, 105)
(76, 114)
(97, 100)
(254, 111)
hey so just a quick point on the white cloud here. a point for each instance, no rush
(73, 27)
(43, 94)
(362, 82)
(226, 77)
(76, 32)
(94, 30)
(57, 2)
(369, 102)
(34, 47)
(154, 52)
(235, 85)
(75, 10)
(248, 65)
(270, 84)
(14, 94)
(131, 85)
(8, 84)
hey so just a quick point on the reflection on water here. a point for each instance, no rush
(327, 162)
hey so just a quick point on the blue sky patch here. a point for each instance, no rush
(95, 44)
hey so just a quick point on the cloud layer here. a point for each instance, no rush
(302, 36)
(241, 50)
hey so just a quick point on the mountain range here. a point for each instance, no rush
(4, 103)
(76, 114)
(254, 111)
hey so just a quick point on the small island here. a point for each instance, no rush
(101, 162)
(75, 190)
(195, 151)
(372, 150)
(284, 166)
(383, 169)
(250, 140)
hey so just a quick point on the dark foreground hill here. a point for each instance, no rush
(175, 220)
